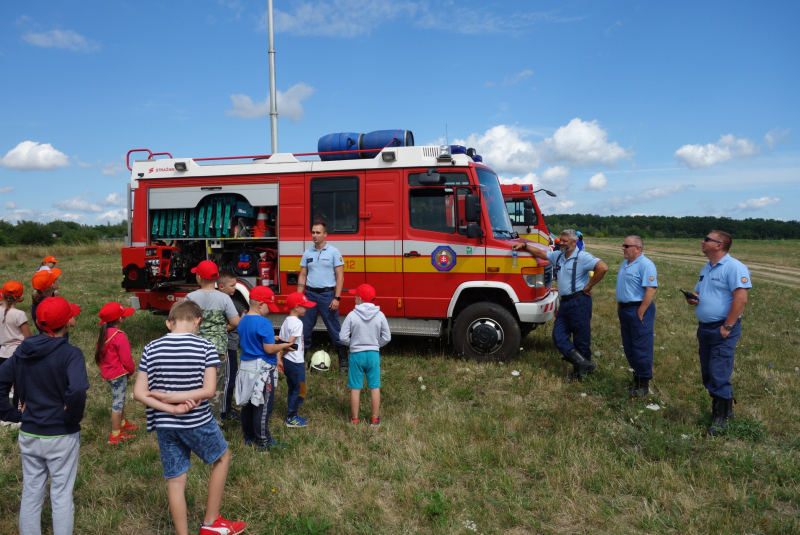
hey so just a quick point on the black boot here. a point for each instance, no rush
(344, 361)
(721, 412)
(582, 366)
(644, 387)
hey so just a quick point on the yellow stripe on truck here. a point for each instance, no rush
(463, 265)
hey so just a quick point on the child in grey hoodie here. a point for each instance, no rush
(365, 330)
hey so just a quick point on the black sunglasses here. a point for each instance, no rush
(708, 239)
(626, 246)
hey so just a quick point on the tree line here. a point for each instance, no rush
(66, 232)
(654, 226)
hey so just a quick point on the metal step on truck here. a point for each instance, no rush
(427, 226)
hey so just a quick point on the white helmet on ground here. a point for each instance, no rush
(320, 362)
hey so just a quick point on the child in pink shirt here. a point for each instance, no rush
(113, 357)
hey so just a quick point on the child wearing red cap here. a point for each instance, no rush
(45, 284)
(219, 313)
(51, 383)
(294, 365)
(261, 361)
(112, 355)
(15, 327)
(48, 263)
(365, 330)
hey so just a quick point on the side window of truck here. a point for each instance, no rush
(432, 209)
(335, 201)
(516, 209)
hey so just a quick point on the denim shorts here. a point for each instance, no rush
(118, 388)
(176, 445)
(364, 363)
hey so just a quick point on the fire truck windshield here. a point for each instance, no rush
(493, 199)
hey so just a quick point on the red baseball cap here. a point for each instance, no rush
(55, 312)
(44, 279)
(297, 299)
(207, 269)
(262, 294)
(114, 311)
(13, 288)
(365, 292)
(49, 259)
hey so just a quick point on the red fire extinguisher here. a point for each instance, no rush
(266, 270)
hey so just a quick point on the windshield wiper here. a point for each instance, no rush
(506, 232)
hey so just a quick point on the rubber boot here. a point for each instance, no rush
(581, 365)
(344, 361)
(720, 409)
(644, 387)
(633, 387)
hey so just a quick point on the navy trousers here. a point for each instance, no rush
(329, 317)
(716, 357)
(296, 385)
(637, 339)
(574, 319)
(231, 369)
(255, 420)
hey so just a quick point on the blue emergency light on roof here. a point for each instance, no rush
(477, 158)
(458, 149)
(526, 188)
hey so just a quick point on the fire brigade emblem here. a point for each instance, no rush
(443, 258)
(744, 279)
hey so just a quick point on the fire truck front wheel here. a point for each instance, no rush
(486, 332)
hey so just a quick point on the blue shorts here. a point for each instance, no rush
(364, 363)
(176, 445)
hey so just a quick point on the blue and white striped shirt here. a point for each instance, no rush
(177, 363)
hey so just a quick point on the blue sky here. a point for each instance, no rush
(680, 108)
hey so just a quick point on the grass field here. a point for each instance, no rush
(479, 450)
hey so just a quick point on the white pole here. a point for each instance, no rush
(273, 105)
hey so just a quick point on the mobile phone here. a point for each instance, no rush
(690, 295)
(293, 347)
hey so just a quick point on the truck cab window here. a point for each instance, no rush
(335, 201)
(432, 209)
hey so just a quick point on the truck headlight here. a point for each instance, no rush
(534, 277)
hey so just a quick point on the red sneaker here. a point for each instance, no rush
(128, 427)
(354, 420)
(122, 437)
(222, 527)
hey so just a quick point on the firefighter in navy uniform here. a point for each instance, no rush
(575, 288)
(721, 292)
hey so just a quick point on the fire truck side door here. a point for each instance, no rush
(437, 255)
(383, 245)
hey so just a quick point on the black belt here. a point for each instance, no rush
(630, 305)
(571, 296)
(320, 290)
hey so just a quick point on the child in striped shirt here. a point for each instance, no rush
(177, 376)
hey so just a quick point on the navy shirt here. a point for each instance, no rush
(634, 278)
(254, 332)
(320, 266)
(586, 263)
(715, 288)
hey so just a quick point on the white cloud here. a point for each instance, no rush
(66, 39)
(584, 143)
(78, 204)
(113, 169)
(31, 156)
(462, 19)
(619, 202)
(113, 199)
(338, 18)
(7, 190)
(597, 182)
(756, 204)
(611, 28)
(78, 218)
(11, 205)
(113, 216)
(289, 104)
(84, 164)
(728, 147)
(513, 79)
(775, 136)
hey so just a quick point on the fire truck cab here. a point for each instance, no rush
(526, 217)
(426, 226)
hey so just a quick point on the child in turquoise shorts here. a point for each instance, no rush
(365, 330)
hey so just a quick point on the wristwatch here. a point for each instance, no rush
(339, 299)
(728, 328)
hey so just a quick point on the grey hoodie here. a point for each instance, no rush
(365, 329)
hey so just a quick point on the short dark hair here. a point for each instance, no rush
(726, 240)
(185, 310)
(227, 274)
(321, 223)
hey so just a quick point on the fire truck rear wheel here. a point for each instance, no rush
(486, 332)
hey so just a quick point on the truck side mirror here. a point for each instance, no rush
(528, 217)
(474, 231)
(431, 178)
(472, 208)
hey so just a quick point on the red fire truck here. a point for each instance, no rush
(526, 217)
(426, 226)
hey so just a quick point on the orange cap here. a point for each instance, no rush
(13, 288)
(42, 280)
(49, 259)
